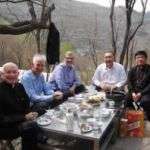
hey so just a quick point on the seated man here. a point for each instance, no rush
(64, 77)
(139, 83)
(1, 76)
(41, 96)
(109, 75)
(16, 118)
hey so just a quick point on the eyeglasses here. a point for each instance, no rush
(69, 57)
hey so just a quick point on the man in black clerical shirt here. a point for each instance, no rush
(139, 82)
(16, 118)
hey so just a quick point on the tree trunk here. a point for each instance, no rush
(38, 40)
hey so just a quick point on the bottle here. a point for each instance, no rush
(69, 120)
(123, 127)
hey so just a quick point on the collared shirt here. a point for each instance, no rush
(63, 77)
(114, 76)
(36, 87)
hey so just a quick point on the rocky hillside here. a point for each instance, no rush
(80, 23)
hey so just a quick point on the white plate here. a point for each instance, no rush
(69, 106)
(79, 96)
(105, 114)
(79, 99)
(91, 120)
(88, 128)
(71, 99)
(85, 115)
(75, 99)
(50, 113)
(43, 121)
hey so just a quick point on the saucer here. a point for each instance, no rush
(43, 121)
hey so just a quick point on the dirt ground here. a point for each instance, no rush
(133, 143)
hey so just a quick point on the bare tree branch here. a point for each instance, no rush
(12, 13)
(13, 1)
(31, 10)
(129, 32)
(129, 35)
(43, 8)
(17, 29)
(45, 17)
(92, 52)
(21, 1)
(28, 26)
(142, 19)
(113, 39)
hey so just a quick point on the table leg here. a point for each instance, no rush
(96, 145)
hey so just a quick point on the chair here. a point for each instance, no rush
(10, 144)
(6, 145)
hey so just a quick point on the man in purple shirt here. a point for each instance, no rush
(65, 78)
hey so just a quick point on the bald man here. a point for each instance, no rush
(16, 118)
(65, 78)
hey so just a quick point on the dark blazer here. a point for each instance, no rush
(139, 79)
(14, 104)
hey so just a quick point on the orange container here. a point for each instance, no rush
(135, 125)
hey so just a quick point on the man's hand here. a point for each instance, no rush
(108, 87)
(72, 90)
(58, 95)
(112, 87)
(105, 87)
(31, 116)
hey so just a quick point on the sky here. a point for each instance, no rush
(106, 3)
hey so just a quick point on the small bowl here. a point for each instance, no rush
(111, 103)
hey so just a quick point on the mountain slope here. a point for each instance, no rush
(80, 23)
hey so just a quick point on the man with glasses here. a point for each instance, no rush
(65, 78)
(139, 83)
(109, 75)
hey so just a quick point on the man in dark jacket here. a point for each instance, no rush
(16, 119)
(139, 82)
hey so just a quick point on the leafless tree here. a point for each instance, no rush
(113, 33)
(130, 31)
(63, 30)
(3, 47)
(130, 60)
(35, 24)
(92, 42)
(92, 52)
(18, 54)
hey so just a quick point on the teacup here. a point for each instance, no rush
(111, 103)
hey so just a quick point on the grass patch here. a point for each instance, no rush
(3, 21)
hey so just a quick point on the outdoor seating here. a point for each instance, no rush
(6, 144)
(10, 144)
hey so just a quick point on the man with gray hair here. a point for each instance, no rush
(41, 96)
